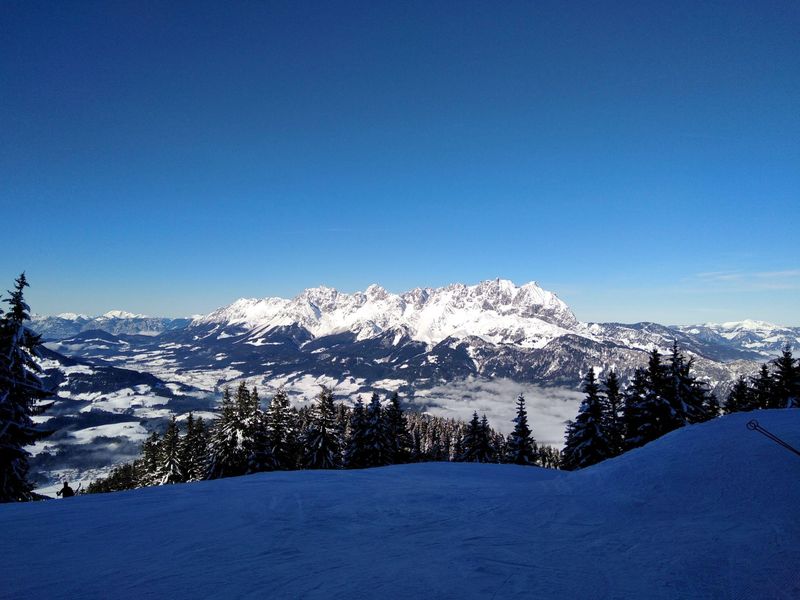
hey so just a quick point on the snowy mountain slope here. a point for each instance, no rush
(114, 321)
(707, 511)
(495, 310)
(759, 337)
(98, 415)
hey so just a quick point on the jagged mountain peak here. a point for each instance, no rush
(496, 309)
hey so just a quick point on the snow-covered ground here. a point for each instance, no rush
(709, 511)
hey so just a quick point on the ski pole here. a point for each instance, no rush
(753, 425)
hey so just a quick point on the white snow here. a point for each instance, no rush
(708, 511)
(132, 431)
(122, 314)
(495, 310)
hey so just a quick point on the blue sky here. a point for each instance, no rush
(640, 159)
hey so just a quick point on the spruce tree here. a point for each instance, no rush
(416, 447)
(282, 432)
(226, 455)
(256, 436)
(688, 397)
(786, 381)
(376, 443)
(322, 443)
(170, 468)
(471, 440)
(649, 408)
(194, 448)
(486, 449)
(549, 457)
(397, 431)
(586, 440)
(520, 445)
(150, 460)
(355, 454)
(614, 425)
(739, 398)
(21, 396)
(762, 389)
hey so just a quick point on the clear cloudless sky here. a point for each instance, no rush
(640, 159)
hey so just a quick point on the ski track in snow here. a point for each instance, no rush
(708, 511)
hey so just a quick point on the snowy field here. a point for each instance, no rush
(709, 511)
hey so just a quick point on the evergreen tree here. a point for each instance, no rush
(487, 450)
(586, 440)
(739, 398)
(786, 381)
(397, 432)
(649, 405)
(416, 447)
(520, 445)
(762, 389)
(226, 454)
(322, 443)
(170, 469)
(150, 460)
(256, 436)
(355, 454)
(21, 396)
(711, 407)
(471, 440)
(377, 447)
(549, 457)
(122, 477)
(282, 432)
(194, 448)
(689, 398)
(614, 425)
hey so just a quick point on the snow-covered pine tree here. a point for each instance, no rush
(226, 455)
(194, 448)
(786, 381)
(397, 431)
(282, 432)
(170, 469)
(21, 396)
(689, 398)
(377, 447)
(198, 466)
(322, 441)
(186, 445)
(150, 460)
(355, 453)
(256, 436)
(587, 442)
(613, 413)
(520, 447)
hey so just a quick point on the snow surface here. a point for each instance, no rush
(708, 511)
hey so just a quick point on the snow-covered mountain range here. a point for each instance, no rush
(496, 311)
(64, 325)
(449, 349)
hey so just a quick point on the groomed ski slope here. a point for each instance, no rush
(709, 511)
